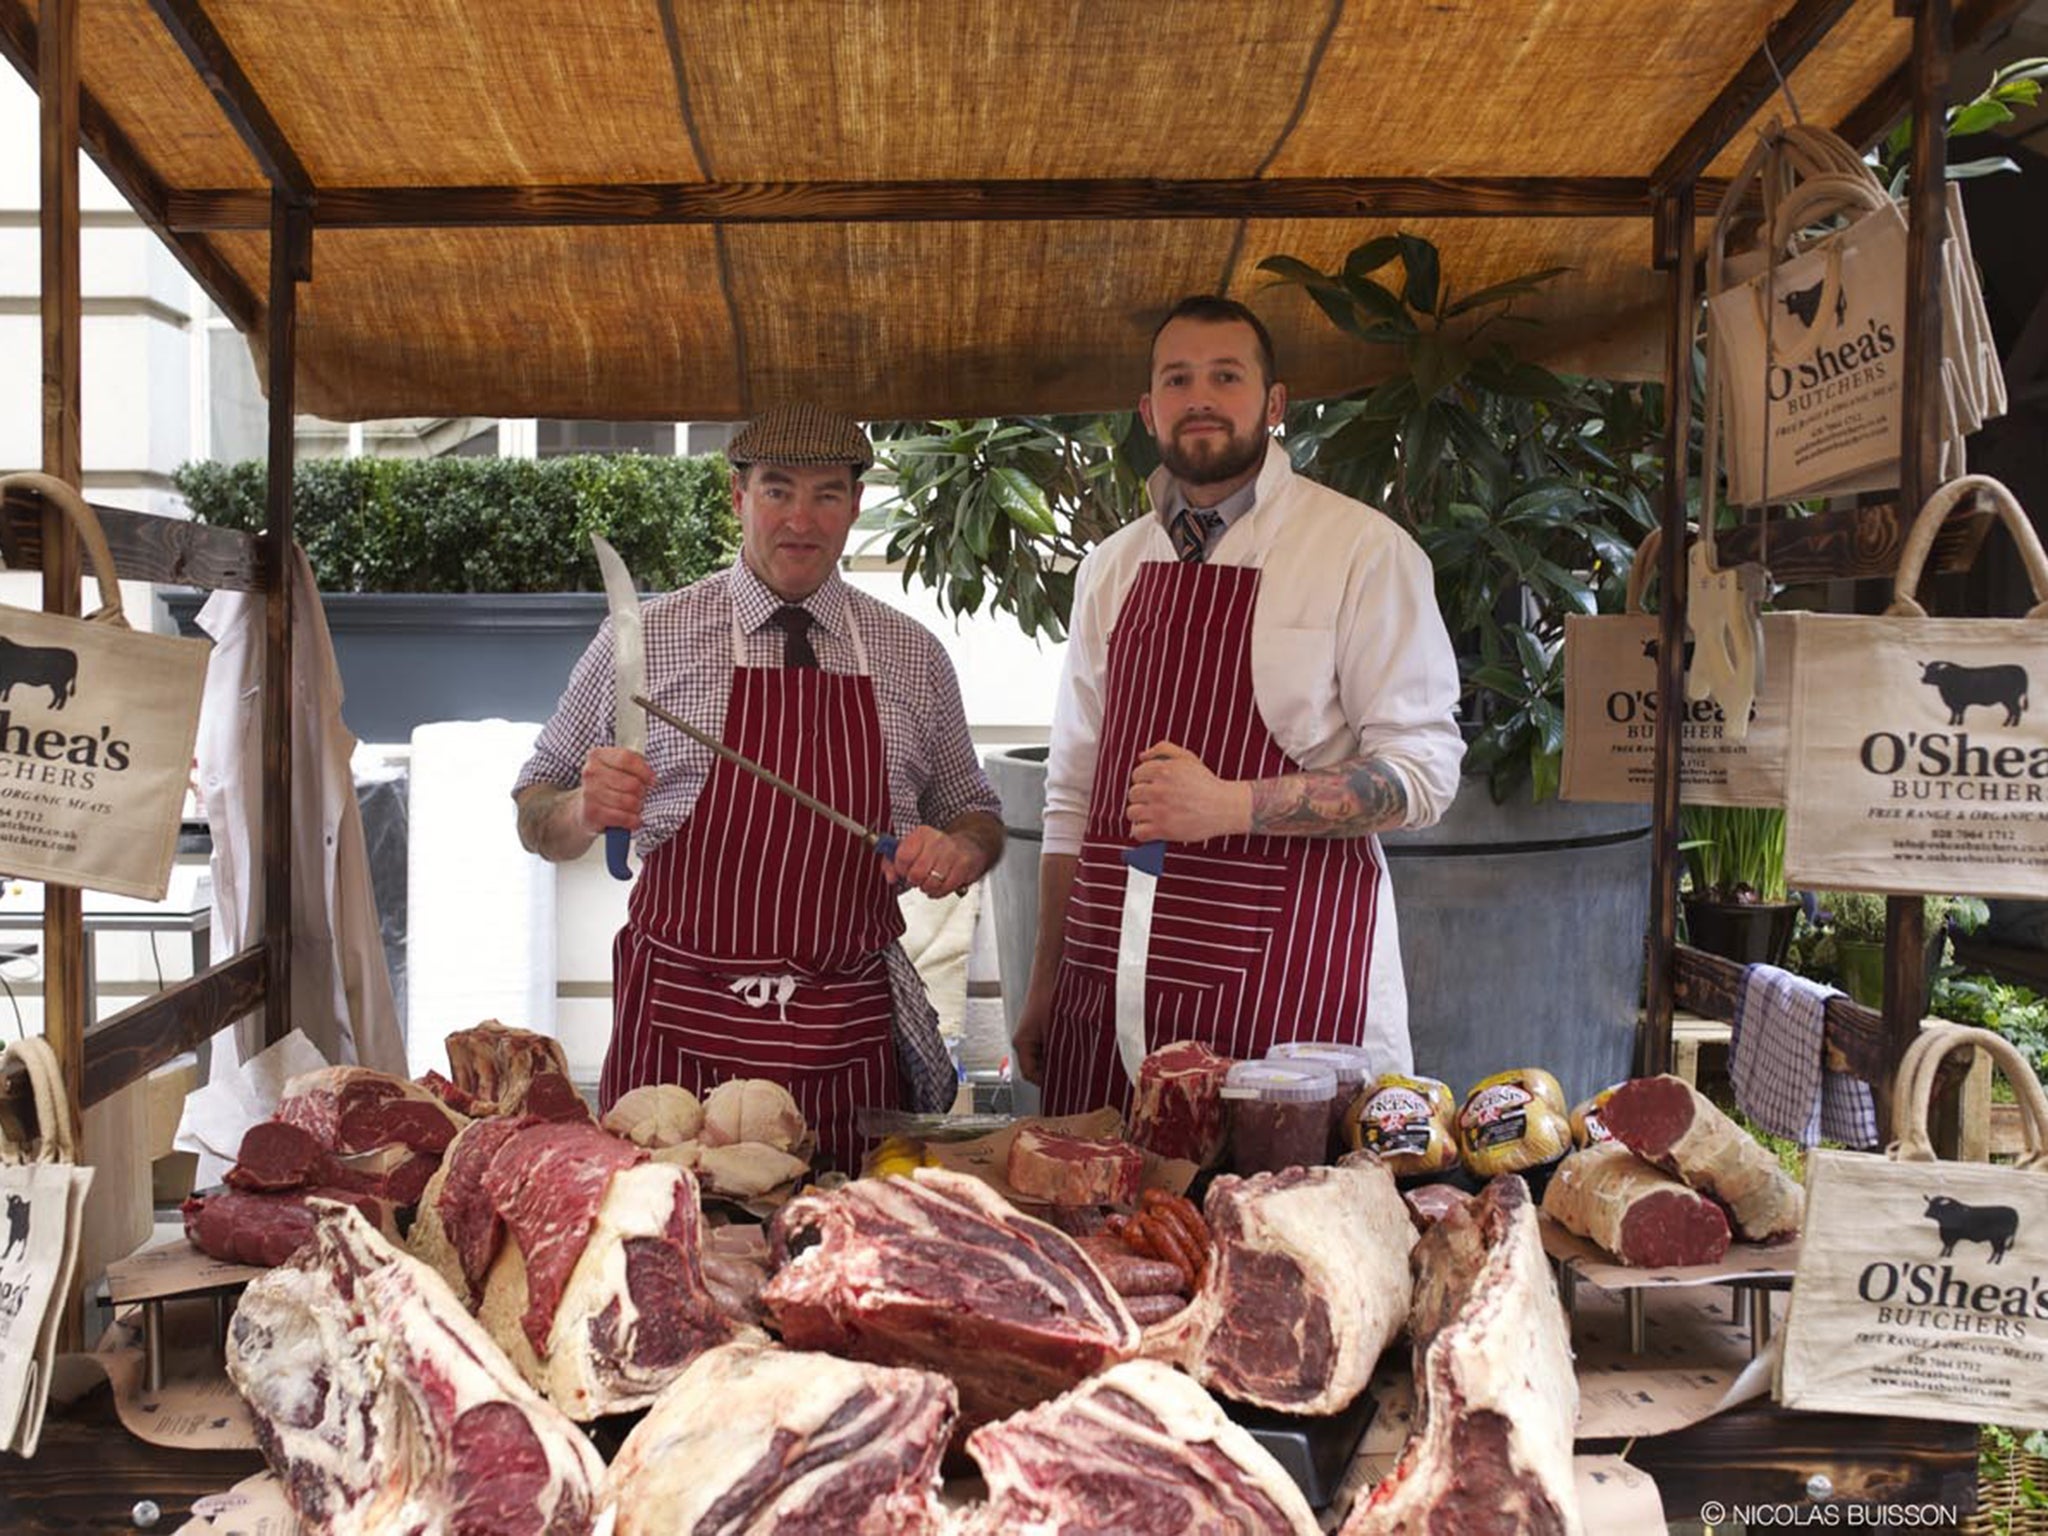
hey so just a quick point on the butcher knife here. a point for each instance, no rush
(629, 678)
(883, 843)
(1142, 867)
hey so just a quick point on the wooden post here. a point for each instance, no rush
(1675, 216)
(1919, 452)
(291, 241)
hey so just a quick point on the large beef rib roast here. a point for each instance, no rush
(753, 1440)
(1308, 1284)
(940, 1272)
(1139, 1450)
(382, 1406)
(1496, 1397)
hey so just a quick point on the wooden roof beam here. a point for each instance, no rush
(860, 202)
(193, 31)
(131, 176)
(1785, 45)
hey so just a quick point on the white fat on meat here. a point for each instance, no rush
(1139, 1450)
(1497, 1400)
(598, 1360)
(757, 1439)
(383, 1406)
(1308, 1284)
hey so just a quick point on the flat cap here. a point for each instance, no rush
(801, 434)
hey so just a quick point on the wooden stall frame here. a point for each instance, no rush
(100, 1061)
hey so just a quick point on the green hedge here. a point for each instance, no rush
(487, 525)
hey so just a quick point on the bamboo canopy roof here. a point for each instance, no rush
(927, 207)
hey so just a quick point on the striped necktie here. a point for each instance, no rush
(1191, 528)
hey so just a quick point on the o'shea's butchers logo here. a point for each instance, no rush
(1930, 1294)
(1948, 764)
(17, 1227)
(63, 759)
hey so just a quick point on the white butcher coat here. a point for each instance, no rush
(341, 988)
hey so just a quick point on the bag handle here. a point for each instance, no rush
(1821, 196)
(1642, 569)
(53, 1140)
(1914, 1087)
(61, 496)
(1920, 540)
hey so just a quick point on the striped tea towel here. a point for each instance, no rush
(1775, 1062)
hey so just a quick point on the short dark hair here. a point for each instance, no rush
(1215, 309)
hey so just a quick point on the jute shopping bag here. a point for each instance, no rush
(1922, 1286)
(42, 1207)
(97, 723)
(1611, 706)
(1919, 764)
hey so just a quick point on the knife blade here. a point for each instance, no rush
(883, 843)
(629, 679)
(1142, 868)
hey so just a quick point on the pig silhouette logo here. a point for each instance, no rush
(17, 1226)
(38, 666)
(2003, 687)
(1995, 1225)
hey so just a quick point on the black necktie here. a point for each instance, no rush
(795, 624)
(1191, 528)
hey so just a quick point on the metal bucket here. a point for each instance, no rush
(1522, 931)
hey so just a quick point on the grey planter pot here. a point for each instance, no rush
(410, 658)
(1521, 928)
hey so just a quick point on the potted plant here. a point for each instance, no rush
(1735, 903)
(1848, 944)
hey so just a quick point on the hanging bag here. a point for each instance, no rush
(1919, 1288)
(42, 1210)
(1919, 759)
(1611, 707)
(96, 730)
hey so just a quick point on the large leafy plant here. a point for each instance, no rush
(1528, 490)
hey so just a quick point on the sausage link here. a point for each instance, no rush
(1147, 1310)
(1131, 1275)
(1181, 1215)
(1171, 1244)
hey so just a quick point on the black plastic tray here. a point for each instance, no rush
(1314, 1452)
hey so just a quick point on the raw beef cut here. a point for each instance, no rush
(244, 1227)
(494, 1065)
(395, 1130)
(277, 1156)
(383, 1408)
(1496, 1397)
(1639, 1214)
(1178, 1110)
(583, 1258)
(1139, 1450)
(1073, 1170)
(1665, 1121)
(1308, 1283)
(754, 1439)
(458, 1230)
(939, 1271)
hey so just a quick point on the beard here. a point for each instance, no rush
(1210, 460)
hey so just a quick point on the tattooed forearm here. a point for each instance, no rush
(1348, 800)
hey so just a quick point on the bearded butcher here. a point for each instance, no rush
(1257, 676)
(761, 940)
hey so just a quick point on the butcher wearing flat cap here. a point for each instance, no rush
(761, 939)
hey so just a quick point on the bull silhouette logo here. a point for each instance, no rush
(1994, 1225)
(17, 1226)
(1650, 650)
(2003, 687)
(38, 666)
(1803, 304)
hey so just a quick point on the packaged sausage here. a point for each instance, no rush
(1353, 1066)
(1588, 1129)
(1407, 1123)
(1513, 1122)
(1279, 1114)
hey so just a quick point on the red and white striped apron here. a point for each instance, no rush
(1255, 939)
(754, 940)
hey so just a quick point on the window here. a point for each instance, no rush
(557, 437)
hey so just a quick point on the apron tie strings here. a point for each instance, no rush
(759, 991)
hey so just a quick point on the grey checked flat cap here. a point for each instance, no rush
(801, 434)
